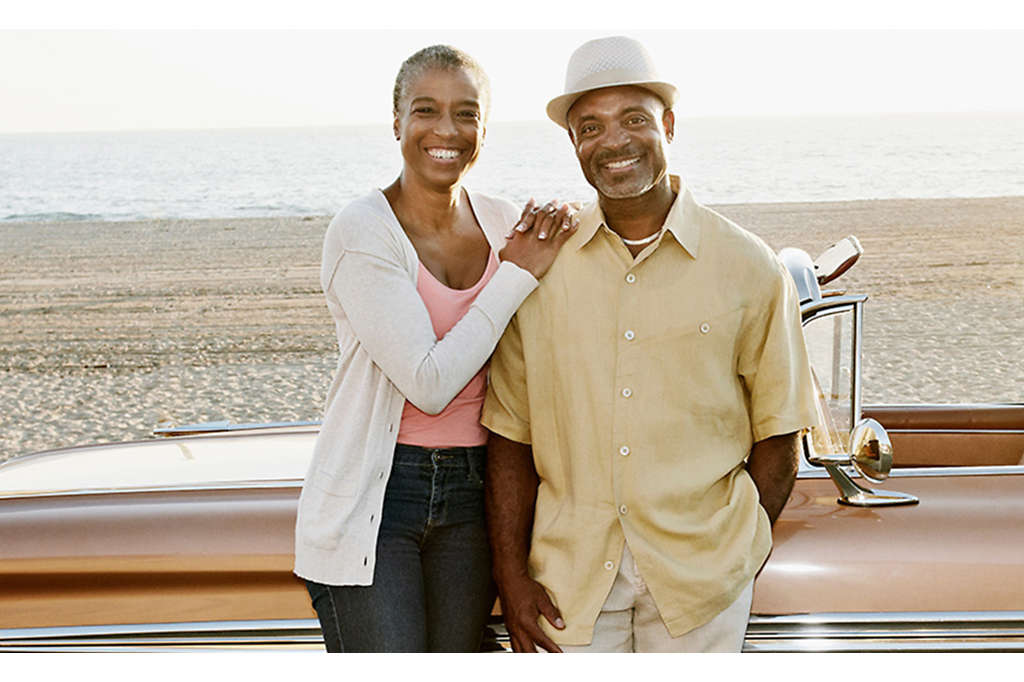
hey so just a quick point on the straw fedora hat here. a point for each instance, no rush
(605, 63)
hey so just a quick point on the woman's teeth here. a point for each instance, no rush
(443, 153)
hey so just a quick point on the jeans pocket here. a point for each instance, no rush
(476, 468)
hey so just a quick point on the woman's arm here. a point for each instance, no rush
(372, 287)
(391, 322)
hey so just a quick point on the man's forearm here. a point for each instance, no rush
(772, 465)
(511, 492)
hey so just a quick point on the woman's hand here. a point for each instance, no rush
(535, 240)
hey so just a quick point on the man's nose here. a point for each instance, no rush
(616, 138)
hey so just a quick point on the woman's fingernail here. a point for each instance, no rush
(542, 235)
(559, 623)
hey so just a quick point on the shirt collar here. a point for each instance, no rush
(681, 220)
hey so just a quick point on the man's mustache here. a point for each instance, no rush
(618, 155)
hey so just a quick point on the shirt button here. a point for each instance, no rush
(609, 565)
(626, 392)
(630, 278)
(624, 450)
(380, 475)
(705, 328)
(629, 335)
(623, 510)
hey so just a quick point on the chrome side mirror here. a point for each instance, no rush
(871, 450)
(871, 456)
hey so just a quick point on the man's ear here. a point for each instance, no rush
(572, 138)
(668, 120)
(394, 127)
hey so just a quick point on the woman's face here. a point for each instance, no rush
(440, 126)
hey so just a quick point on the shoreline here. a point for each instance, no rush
(720, 207)
(111, 328)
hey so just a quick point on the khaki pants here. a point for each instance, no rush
(629, 621)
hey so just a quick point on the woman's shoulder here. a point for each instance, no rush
(364, 224)
(497, 215)
(495, 204)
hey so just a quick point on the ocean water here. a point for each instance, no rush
(315, 171)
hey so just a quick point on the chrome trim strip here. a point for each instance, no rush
(911, 472)
(818, 632)
(226, 427)
(212, 486)
(958, 431)
(814, 307)
(163, 441)
(865, 632)
(935, 405)
(293, 633)
(858, 335)
(1008, 470)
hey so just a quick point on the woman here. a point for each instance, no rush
(421, 279)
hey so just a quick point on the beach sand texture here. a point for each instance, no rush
(110, 329)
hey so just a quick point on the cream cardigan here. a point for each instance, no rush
(388, 354)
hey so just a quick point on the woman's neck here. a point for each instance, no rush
(422, 207)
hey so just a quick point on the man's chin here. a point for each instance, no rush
(622, 191)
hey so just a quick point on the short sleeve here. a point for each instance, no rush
(507, 408)
(773, 362)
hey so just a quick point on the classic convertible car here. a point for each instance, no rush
(185, 541)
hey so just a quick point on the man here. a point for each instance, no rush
(646, 401)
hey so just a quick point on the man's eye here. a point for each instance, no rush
(587, 129)
(637, 120)
(422, 110)
(469, 113)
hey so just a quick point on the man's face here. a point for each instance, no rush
(620, 135)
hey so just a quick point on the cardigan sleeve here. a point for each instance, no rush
(365, 274)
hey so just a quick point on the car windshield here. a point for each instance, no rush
(829, 338)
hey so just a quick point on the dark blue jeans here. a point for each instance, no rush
(432, 587)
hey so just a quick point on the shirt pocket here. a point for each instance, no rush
(693, 361)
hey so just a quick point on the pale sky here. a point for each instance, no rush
(68, 80)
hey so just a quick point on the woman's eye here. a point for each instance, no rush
(470, 114)
(422, 110)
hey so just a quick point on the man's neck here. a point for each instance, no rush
(640, 216)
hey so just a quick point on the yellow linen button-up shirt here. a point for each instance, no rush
(642, 385)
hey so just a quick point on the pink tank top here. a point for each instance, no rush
(459, 423)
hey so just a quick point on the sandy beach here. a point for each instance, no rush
(110, 329)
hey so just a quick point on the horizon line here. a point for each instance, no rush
(301, 126)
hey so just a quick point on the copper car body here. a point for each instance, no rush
(186, 541)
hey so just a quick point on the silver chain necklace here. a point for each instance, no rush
(640, 242)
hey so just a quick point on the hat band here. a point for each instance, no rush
(609, 79)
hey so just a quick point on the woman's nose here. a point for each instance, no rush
(444, 126)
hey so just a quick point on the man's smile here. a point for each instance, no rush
(621, 164)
